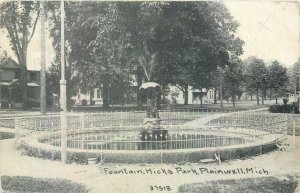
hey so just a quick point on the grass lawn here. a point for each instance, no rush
(22, 184)
(281, 184)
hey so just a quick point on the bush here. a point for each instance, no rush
(4, 105)
(84, 102)
(285, 100)
(274, 108)
(286, 108)
(34, 104)
(70, 103)
(295, 107)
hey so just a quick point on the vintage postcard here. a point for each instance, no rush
(149, 96)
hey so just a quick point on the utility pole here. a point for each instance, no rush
(0, 88)
(63, 89)
(43, 61)
(298, 67)
(220, 69)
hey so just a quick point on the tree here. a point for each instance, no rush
(293, 74)
(3, 56)
(52, 85)
(256, 76)
(109, 49)
(233, 78)
(19, 18)
(278, 77)
(77, 53)
(160, 41)
(197, 51)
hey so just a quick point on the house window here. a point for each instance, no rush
(92, 94)
(33, 76)
(32, 93)
(7, 75)
(98, 93)
(17, 75)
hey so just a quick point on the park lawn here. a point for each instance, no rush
(22, 184)
(279, 184)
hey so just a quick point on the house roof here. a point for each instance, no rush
(198, 90)
(16, 81)
(9, 63)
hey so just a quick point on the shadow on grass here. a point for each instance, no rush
(18, 184)
(279, 184)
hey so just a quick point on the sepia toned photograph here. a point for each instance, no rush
(149, 96)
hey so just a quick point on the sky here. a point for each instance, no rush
(270, 29)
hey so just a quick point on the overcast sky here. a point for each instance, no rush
(270, 30)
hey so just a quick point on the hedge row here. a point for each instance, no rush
(286, 108)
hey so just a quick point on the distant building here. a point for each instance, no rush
(176, 95)
(10, 90)
(96, 95)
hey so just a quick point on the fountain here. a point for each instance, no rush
(165, 136)
(152, 129)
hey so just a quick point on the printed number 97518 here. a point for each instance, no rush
(160, 188)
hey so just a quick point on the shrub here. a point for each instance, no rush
(274, 108)
(295, 107)
(4, 104)
(285, 100)
(70, 103)
(84, 102)
(286, 108)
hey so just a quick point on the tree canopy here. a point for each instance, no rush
(234, 78)
(278, 77)
(257, 76)
(175, 43)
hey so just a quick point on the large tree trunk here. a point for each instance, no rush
(23, 83)
(257, 96)
(233, 100)
(186, 94)
(262, 98)
(215, 95)
(105, 95)
(276, 100)
(139, 79)
(201, 98)
(158, 102)
(91, 97)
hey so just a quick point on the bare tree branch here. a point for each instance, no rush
(14, 43)
(34, 25)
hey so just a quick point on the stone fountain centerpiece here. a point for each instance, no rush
(152, 129)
